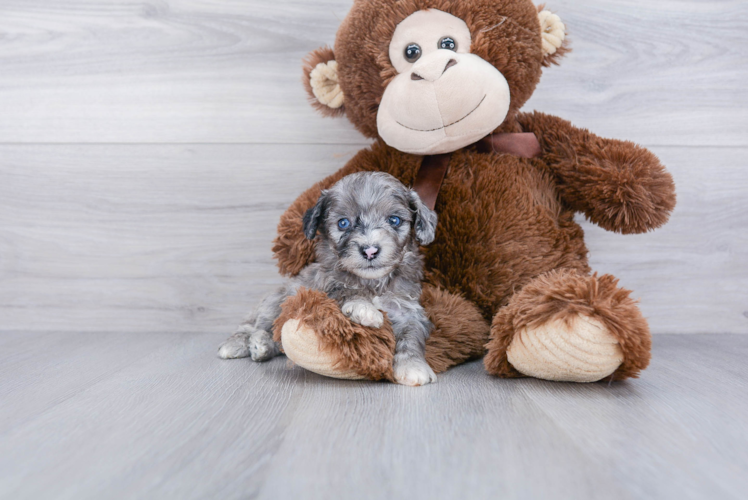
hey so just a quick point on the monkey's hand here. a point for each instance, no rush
(618, 185)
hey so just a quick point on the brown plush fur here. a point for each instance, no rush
(486, 246)
(507, 247)
(460, 332)
(618, 185)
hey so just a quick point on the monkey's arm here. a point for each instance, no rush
(291, 248)
(618, 185)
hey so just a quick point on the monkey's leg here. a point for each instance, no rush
(317, 336)
(567, 326)
(460, 332)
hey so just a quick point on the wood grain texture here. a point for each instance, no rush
(96, 236)
(43, 370)
(173, 421)
(670, 72)
(177, 237)
(144, 238)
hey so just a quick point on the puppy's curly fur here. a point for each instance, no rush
(367, 228)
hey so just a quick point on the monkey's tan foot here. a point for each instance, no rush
(566, 326)
(303, 346)
(316, 335)
(578, 349)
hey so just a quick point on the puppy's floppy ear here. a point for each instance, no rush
(424, 224)
(553, 33)
(321, 82)
(316, 215)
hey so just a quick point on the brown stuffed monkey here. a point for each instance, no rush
(439, 85)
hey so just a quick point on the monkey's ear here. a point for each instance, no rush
(424, 224)
(553, 31)
(315, 216)
(321, 82)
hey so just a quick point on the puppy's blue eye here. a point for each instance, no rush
(394, 221)
(344, 224)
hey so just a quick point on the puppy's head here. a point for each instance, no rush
(368, 221)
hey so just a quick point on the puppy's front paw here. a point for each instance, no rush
(364, 313)
(413, 371)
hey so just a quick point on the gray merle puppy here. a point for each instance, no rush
(369, 228)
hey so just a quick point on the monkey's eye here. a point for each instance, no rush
(412, 52)
(395, 221)
(447, 43)
(344, 224)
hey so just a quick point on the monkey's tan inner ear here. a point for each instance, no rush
(552, 30)
(325, 86)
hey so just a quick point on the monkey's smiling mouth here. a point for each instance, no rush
(448, 125)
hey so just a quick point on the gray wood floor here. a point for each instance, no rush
(104, 415)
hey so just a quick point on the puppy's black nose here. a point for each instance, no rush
(370, 252)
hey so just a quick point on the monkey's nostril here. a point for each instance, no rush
(450, 63)
(414, 76)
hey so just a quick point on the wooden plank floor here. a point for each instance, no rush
(103, 415)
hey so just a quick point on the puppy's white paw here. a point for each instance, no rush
(236, 346)
(413, 371)
(249, 342)
(364, 313)
(261, 346)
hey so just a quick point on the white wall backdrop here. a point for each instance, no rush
(147, 149)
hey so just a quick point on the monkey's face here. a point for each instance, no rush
(433, 76)
(443, 97)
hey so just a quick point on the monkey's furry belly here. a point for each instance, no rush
(501, 223)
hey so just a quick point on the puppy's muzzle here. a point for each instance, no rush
(370, 252)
